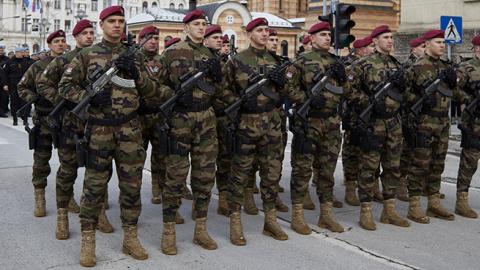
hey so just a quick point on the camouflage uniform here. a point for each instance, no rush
(113, 132)
(192, 131)
(27, 90)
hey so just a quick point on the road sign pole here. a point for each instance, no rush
(449, 52)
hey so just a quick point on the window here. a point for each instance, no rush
(154, 4)
(144, 6)
(180, 6)
(24, 25)
(94, 5)
(229, 19)
(36, 25)
(56, 4)
(120, 2)
(68, 25)
(68, 4)
(172, 5)
(107, 3)
(56, 25)
(94, 24)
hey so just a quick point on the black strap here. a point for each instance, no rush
(111, 122)
(436, 114)
(322, 114)
(196, 107)
(258, 109)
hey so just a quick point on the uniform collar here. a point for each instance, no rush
(320, 50)
(431, 58)
(193, 44)
(382, 55)
(110, 44)
(258, 52)
(147, 53)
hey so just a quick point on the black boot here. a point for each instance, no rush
(15, 120)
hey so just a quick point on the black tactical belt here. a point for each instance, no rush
(320, 114)
(267, 108)
(111, 122)
(436, 114)
(148, 110)
(386, 115)
(197, 107)
(42, 113)
(220, 113)
(70, 105)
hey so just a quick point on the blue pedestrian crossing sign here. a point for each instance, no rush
(452, 25)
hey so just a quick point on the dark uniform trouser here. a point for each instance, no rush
(224, 157)
(42, 153)
(326, 140)
(157, 160)
(3, 100)
(429, 159)
(388, 133)
(350, 158)
(468, 166)
(260, 137)
(195, 134)
(124, 144)
(15, 101)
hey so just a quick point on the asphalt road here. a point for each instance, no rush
(29, 243)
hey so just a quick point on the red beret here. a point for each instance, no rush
(364, 42)
(148, 30)
(113, 10)
(225, 39)
(123, 37)
(476, 41)
(416, 42)
(320, 26)
(272, 32)
(433, 34)
(58, 33)
(171, 41)
(306, 40)
(254, 23)
(80, 26)
(194, 15)
(380, 30)
(213, 29)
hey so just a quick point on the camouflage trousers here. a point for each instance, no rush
(259, 136)
(470, 155)
(67, 155)
(350, 158)
(387, 136)
(405, 161)
(325, 137)
(151, 135)
(429, 158)
(224, 157)
(191, 133)
(122, 143)
(42, 152)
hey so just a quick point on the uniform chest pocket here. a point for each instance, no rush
(311, 70)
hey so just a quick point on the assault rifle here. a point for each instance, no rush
(436, 86)
(474, 104)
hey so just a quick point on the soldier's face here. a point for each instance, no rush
(435, 47)
(370, 48)
(57, 45)
(225, 48)
(384, 42)
(196, 29)
(19, 54)
(419, 50)
(152, 44)
(272, 43)
(308, 46)
(322, 40)
(259, 36)
(214, 41)
(112, 27)
(476, 51)
(85, 38)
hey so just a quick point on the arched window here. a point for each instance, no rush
(180, 6)
(172, 5)
(144, 6)
(154, 4)
(284, 47)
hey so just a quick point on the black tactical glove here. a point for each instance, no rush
(339, 73)
(142, 107)
(449, 76)
(379, 107)
(430, 102)
(127, 64)
(42, 102)
(186, 100)
(214, 69)
(398, 79)
(277, 78)
(102, 98)
(318, 102)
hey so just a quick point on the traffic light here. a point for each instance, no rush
(343, 25)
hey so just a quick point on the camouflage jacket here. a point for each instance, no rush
(78, 76)
(27, 87)
(410, 61)
(151, 66)
(300, 79)
(368, 74)
(187, 56)
(469, 81)
(47, 85)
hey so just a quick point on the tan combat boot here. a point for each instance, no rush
(62, 231)
(249, 206)
(336, 203)
(103, 224)
(187, 193)
(40, 203)
(327, 219)
(222, 204)
(236, 230)
(462, 208)
(435, 209)
(87, 249)
(298, 220)
(402, 191)
(390, 215)
(280, 206)
(351, 193)
(308, 204)
(377, 194)
(415, 211)
(169, 246)
(178, 218)
(366, 217)
(131, 245)
(73, 206)
(201, 236)
(156, 194)
(272, 228)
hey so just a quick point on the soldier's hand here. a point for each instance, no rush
(127, 64)
(278, 78)
(318, 102)
(339, 73)
(42, 102)
(449, 76)
(398, 79)
(430, 102)
(103, 98)
(214, 69)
